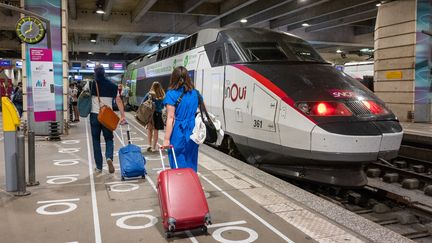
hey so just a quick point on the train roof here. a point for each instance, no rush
(204, 37)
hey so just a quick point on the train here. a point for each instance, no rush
(282, 106)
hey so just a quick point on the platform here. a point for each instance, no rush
(247, 205)
(420, 133)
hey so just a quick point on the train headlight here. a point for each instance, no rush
(324, 108)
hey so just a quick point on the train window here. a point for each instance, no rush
(217, 58)
(171, 51)
(232, 54)
(193, 41)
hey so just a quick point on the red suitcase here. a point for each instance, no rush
(181, 198)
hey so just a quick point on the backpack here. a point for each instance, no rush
(145, 112)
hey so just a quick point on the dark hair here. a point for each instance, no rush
(99, 72)
(179, 78)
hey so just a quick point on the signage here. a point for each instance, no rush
(118, 66)
(90, 65)
(18, 64)
(5, 63)
(42, 80)
(105, 65)
(394, 75)
(76, 65)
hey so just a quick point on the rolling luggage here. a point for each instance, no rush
(181, 198)
(132, 162)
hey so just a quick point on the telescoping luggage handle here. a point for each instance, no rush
(161, 156)
(127, 133)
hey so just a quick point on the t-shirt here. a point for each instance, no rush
(107, 93)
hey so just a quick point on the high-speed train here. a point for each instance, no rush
(286, 110)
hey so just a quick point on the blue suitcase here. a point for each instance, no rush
(132, 162)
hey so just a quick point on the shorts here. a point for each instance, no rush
(157, 121)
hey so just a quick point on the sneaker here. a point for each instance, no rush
(149, 149)
(97, 171)
(110, 166)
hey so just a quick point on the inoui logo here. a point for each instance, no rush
(235, 92)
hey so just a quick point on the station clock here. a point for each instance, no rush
(30, 30)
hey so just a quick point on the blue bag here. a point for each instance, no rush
(85, 102)
(132, 162)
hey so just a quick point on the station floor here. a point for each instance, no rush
(72, 204)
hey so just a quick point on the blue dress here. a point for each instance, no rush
(185, 149)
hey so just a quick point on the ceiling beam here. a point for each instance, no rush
(337, 15)
(350, 19)
(107, 9)
(285, 9)
(311, 13)
(142, 7)
(173, 7)
(253, 9)
(76, 38)
(226, 8)
(117, 39)
(72, 9)
(190, 5)
(332, 43)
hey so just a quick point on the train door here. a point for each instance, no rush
(211, 86)
(199, 74)
(264, 115)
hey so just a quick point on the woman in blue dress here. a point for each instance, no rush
(181, 102)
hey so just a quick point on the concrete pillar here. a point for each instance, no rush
(395, 41)
(65, 54)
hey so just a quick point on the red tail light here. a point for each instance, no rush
(374, 108)
(324, 109)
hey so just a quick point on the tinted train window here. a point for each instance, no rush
(232, 54)
(262, 51)
(217, 59)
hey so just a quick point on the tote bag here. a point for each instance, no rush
(107, 117)
(85, 102)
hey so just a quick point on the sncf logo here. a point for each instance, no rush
(342, 93)
(234, 92)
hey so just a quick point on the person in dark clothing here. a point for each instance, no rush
(17, 99)
(107, 92)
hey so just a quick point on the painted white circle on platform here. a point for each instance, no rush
(137, 139)
(70, 142)
(155, 157)
(121, 221)
(70, 207)
(69, 150)
(66, 162)
(217, 234)
(62, 180)
(119, 187)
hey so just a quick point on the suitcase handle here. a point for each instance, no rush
(161, 156)
(127, 133)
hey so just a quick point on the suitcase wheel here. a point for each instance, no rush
(168, 234)
(204, 229)
(143, 177)
(171, 228)
(122, 178)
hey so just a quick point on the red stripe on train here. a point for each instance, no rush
(271, 86)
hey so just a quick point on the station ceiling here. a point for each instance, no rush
(129, 28)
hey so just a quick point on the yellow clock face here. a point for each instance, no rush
(30, 30)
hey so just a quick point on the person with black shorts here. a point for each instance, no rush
(157, 94)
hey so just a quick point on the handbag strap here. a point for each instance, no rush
(179, 99)
(97, 92)
(202, 108)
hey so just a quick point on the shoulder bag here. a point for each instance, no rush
(211, 133)
(107, 117)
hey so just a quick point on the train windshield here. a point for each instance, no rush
(281, 50)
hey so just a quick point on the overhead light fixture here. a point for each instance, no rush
(243, 21)
(93, 38)
(339, 51)
(378, 4)
(90, 53)
(100, 11)
(305, 25)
